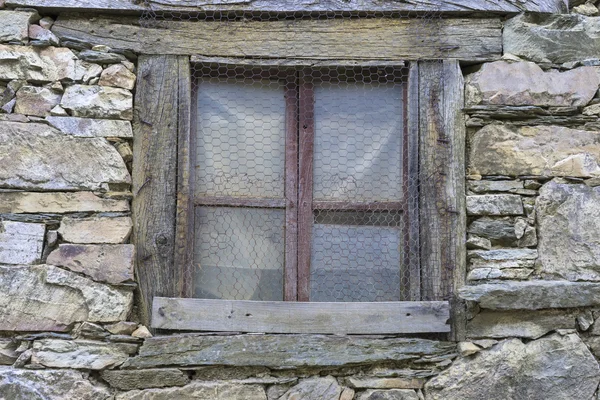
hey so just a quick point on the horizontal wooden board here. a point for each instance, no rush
(300, 317)
(348, 39)
(186, 6)
(293, 62)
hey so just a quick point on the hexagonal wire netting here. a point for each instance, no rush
(305, 182)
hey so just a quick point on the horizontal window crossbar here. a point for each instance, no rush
(358, 206)
(240, 202)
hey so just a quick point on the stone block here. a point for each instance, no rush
(325, 388)
(118, 76)
(14, 25)
(145, 378)
(199, 390)
(37, 202)
(494, 204)
(370, 382)
(80, 354)
(8, 351)
(21, 243)
(98, 102)
(489, 273)
(36, 101)
(42, 37)
(485, 186)
(88, 127)
(394, 394)
(114, 230)
(523, 324)
(500, 231)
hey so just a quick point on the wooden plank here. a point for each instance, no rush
(295, 63)
(365, 39)
(154, 179)
(239, 202)
(358, 206)
(301, 317)
(194, 6)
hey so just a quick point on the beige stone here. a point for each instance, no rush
(80, 354)
(113, 230)
(199, 390)
(14, 25)
(347, 394)
(489, 273)
(104, 263)
(36, 101)
(142, 332)
(523, 324)
(98, 102)
(88, 127)
(145, 378)
(37, 202)
(21, 243)
(466, 349)
(122, 328)
(117, 75)
(369, 382)
(43, 36)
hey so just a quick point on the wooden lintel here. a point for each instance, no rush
(330, 39)
(294, 63)
(300, 317)
(197, 6)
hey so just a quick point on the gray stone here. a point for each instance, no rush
(534, 150)
(532, 295)
(394, 394)
(80, 354)
(592, 110)
(43, 158)
(502, 258)
(561, 367)
(569, 221)
(199, 390)
(494, 204)
(529, 238)
(523, 324)
(550, 38)
(22, 384)
(525, 83)
(58, 111)
(98, 102)
(485, 186)
(47, 298)
(8, 352)
(35, 202)
(36, 101)
(145, 378)
(14, 25)
(122, 328)
(21, 243)
(370, 382)
(585, 320)
(490, 273)
(88, 127)
(117, 76)
(46, 22)
(326, 388)
(101, 57)
(476, 242)
(500, 232)
(114, 230)
(36, 32)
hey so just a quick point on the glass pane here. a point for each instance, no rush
(355, 263)
(358, 131)
(239, 253)
(241, 138)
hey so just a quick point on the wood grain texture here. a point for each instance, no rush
(239, 202)
(187, 6)
(365, 39)
(299, 317)
(293, 62)
(155, 179)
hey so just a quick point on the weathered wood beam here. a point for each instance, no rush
(365, 39)
(300, 317)
(195, 6)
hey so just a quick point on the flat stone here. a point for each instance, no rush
(42, 158)
(525, 83)
(394, 394)
(347, 394)
(500, 255)
(568, 219)
(98, 102)
(88, 127)
(101, 57)
(369, 382)
(500, 232)
(550, 38)
(36, 101)
(36, 32)
(35, 202)
(80, 354)
(23, 384)
(490, 273)
(46, 22)
(479, 243)
(144, 378)
(199, 390)
(47, 298)
(103, 263)
(122, 328)
(21, 243)
(326, 388)
(117, 75)
(41, 65)
(466, 349)
(58, 111)
(113, 230)
(494, 204)
(485, 186)
(532, 295)
(523, 324)
(558, 366)
(282, 351)
(8, 352)
(534, 150)
(14, 25)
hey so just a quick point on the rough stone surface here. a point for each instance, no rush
(569, 222)
(534, 150)
(525, 83)
(500, 232)
(369, 382)
(199, 390)
(8, 351)
(144, 379)
(326, 388)
(101, 57)
(556, 38)
(36, 101)
(43, 36)
(494, 204)
(43, 65)
(14, 25)
(559, 366)
(484, 186)
(104, 263)
(394, 394)
(523, 324)
(22, 384)
(122, 328)
(37, 156)
(113, 230)
(479, 243)
(47, 298)
(35, 202)
(21, 243)
(98, 102)
(88, 127)
(117, 76)
(489, 273)
(533, 295)
(502, 258)
(80, 354)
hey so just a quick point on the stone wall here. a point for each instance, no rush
(67, 312)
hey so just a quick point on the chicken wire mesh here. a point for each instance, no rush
(304, 180)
